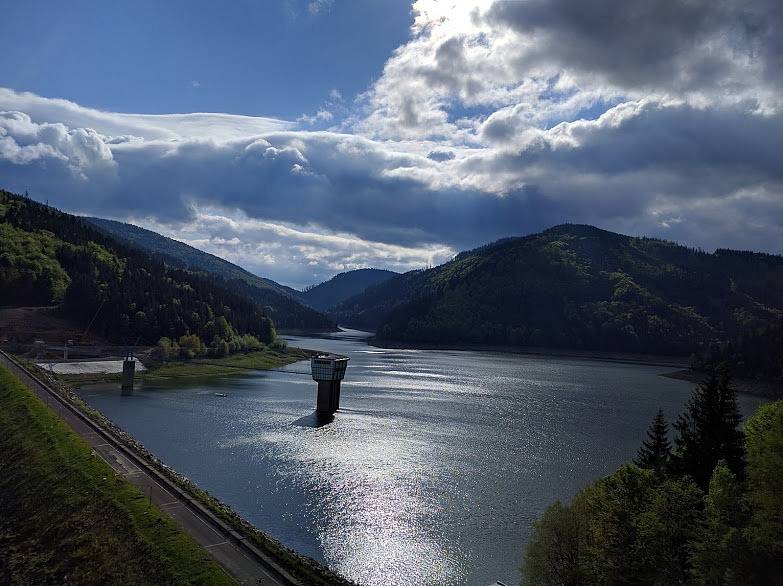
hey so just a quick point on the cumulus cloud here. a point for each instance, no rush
(494, 119)
(540, 61)
(77, 153)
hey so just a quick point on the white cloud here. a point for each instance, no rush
(318, 6)
(80, 150)
(320, 116)
(298, 254)
(147, 126)
(535, 61)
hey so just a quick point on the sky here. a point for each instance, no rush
(302, 138)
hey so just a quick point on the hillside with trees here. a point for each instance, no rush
(123, 294)
(343, 286)
(288, 310)
(706, 510)
(579, 287)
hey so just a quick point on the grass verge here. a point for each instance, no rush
(68, 518)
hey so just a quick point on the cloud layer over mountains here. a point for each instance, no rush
(494, 119)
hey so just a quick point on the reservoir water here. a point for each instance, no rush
(435, 467)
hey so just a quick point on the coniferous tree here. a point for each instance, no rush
(695, 444)
(655, 451)
(732, 438)
(708, 430)
(632, 527)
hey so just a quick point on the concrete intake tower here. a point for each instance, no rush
(328, 370)
(128, 371)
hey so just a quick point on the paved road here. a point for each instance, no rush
(242, 560)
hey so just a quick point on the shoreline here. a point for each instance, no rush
(305, 331)
(757, 388)
(615, 357)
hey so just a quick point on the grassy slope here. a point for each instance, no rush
(68, 518)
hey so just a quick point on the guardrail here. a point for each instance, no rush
(194, 504)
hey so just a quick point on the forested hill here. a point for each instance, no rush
(342, 286)
(576, 286)
(289, 310)
(48, 257)
(181, 255)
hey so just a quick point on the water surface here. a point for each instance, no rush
(433, 470)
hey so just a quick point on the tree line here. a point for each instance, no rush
(705, 509)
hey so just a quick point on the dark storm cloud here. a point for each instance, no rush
(688, 143)
(695, 45)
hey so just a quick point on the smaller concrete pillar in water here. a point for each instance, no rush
(328, 370)
(128, 372)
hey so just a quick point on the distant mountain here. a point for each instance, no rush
(287, 311)
(342, 286)
(115, 290)
(579, 287)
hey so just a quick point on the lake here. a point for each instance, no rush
(435, 467)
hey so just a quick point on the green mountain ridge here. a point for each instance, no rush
(343, 286)
(184, 255)
(578, 287)
(289, 310)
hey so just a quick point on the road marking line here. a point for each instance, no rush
(215, 544)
